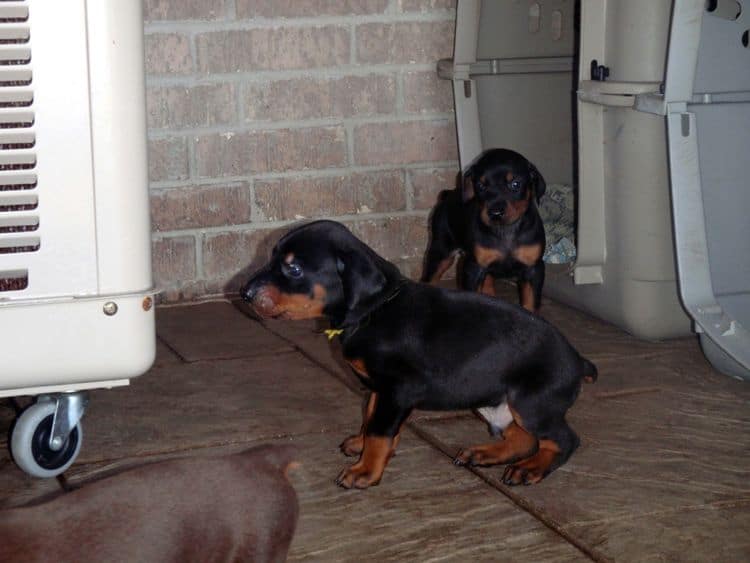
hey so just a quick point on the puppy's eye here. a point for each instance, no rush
(293, 270)
(481, 187)
(515, 185)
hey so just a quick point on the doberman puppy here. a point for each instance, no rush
(233, 508)
(416, 346)
(491, 217)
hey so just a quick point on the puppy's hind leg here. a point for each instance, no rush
(437, 262)
(442, 248)
(558, 443)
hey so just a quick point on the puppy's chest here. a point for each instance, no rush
(506, 254)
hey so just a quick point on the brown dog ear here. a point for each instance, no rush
(537, 181)
(467, 185)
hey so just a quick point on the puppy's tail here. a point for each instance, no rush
(590, 373)
(282, 457)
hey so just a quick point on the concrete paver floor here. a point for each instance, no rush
(662, 473)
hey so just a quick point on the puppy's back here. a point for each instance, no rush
(236, 507)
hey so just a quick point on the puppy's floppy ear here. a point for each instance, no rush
(537, 181)
(467, 185)
(361, 279)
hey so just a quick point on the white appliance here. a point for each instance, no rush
(76, 297)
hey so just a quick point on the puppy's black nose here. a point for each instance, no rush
(497, 213)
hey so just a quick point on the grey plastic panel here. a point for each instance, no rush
(515, 110)
(709, 143)
(722, 59)
(723, 137)
(516, 113)
(506, 29)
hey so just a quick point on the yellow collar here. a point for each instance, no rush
(331, 332)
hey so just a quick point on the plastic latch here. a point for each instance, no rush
(599, 72)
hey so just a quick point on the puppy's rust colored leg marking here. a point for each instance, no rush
(441, 269)
(353, 445)
(516, 444)
(526, 294)
(529, 254)
(488, 286)
(369, 469)
(485, 256)
(533, 469)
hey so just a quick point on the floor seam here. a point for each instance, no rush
(171, 349)
(718, 504)
(517, 499)
(228, 443)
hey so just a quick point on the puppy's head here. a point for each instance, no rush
(319, 270)
(504, 183)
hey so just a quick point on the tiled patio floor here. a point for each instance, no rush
(662, 474)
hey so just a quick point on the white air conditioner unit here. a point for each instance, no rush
(76, 297)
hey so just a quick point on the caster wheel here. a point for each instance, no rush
(29, 443)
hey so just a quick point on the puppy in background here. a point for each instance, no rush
(493, 220)
(238, 507)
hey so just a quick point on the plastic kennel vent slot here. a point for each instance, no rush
(76, 297)
(523, 77)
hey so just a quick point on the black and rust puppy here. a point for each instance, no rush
(418, 346)
(493, 220)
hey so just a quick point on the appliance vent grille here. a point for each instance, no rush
(19, 199)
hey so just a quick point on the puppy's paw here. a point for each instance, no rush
(474, 456)
(353, 445)
(519, 475)
(357, 477)
(531, 470)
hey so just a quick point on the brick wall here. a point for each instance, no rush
(262, 113)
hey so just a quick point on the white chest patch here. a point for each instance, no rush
(498, 417)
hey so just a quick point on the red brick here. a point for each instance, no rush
(407, 42)
(207, 206)
(425, 92)
(427, 184)
(197, 106)
(394, 238)
(168, 53)
(173, 260)
(154, 10)
(167, 159)
(300, 8)
(404, 142)
(300, 149)
(231, 154)
(427, 5)
(305, 98)
(229, 257)
(297, 198)
(282, 48)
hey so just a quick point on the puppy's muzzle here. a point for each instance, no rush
(497, 213)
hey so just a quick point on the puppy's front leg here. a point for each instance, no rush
(530, 285)
(379, 443)
(354, 444)
(472, 274)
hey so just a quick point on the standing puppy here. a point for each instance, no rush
(422, 347)
(492, 218)
(234, 508)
